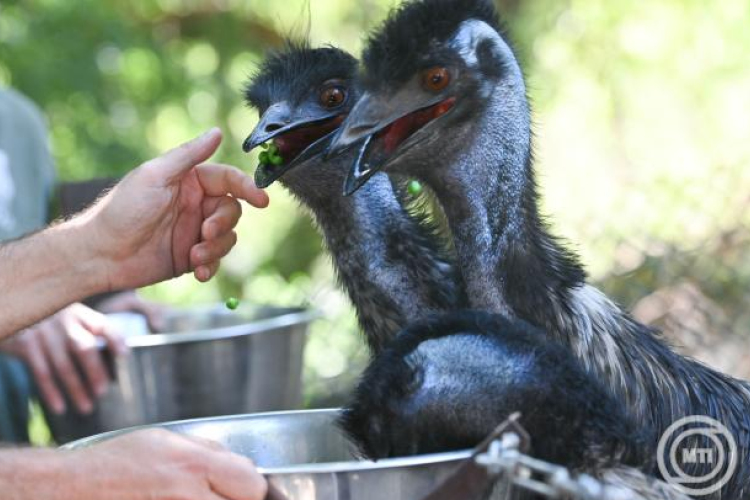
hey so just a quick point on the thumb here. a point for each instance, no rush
(186, 156)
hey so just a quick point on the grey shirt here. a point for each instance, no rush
(26, 167)
(26, 182)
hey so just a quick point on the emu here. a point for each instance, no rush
(484, 366)
(388, 260)
(444, 383)
(444, 100)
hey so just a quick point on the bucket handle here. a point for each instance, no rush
(475, 477)
(505, 454)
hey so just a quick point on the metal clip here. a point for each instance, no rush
(503, 458)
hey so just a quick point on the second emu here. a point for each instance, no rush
(444, 100)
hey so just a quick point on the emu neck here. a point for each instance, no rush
(474, 224)
(489, 198)
(386, 260)
(511, 263)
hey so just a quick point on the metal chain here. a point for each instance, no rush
(504, 458)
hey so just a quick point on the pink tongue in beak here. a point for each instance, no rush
(397, 132)
(293, 143)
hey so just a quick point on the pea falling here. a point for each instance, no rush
(414, 188)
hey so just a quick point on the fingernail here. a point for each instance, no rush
(86, 408)
(208, 133)
(201, 273)
(122, 349)
(205, 274)
(58, 407)
(101, 389)
(159, 325)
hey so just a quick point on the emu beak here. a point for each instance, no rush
(359, 175)
(281, 119)
(360, 127)
(275, 121)
(373, 116)
(363, 121)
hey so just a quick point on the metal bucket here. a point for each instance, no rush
(212, 362)
(305, 457)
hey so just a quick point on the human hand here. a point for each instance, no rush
(158, 465)
(130, 302)
(63, 347)
(170, 216)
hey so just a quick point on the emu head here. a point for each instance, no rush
(302, 95)
(428, 73)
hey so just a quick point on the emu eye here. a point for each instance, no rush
(333, 97)
(436, 79)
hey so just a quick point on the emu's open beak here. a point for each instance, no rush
(359, 174)
(303, 134)
(367, 118)
(381, 126)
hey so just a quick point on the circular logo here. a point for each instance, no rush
(697, 455)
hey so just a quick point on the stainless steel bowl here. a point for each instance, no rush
(305, 457)
(213, 362)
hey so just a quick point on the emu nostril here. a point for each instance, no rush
(271, 127)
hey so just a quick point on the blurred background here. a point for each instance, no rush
(642, 113)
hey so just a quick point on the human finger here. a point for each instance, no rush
(116, 342)
(130, 302)
(208, 443)
(45, 381)
(85, 350)
(235, 477)
(99, 325)
(60, 358)
(222, 215)
(179, 160)
(210, 251)
(206, 272)
(220, 180)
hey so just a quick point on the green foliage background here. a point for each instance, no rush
(642, 113)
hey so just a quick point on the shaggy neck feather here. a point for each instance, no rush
(511, 264)
(385, 258)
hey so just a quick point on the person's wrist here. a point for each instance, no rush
(89, 258)
(38, 474)
(81, 473)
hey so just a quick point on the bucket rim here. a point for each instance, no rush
(288, 317)
(337, 467)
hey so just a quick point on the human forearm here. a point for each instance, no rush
(26, 474)
(170, 216)
(152, 464)
(43, 273)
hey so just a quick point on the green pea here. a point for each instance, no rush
(276, 160)
(414, 188)
(232, 303)
(264, 158)
(264, 145)
(273, 149)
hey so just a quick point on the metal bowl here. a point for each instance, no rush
(305, 457)
(212, 362)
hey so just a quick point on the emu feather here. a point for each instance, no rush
(478, 160)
